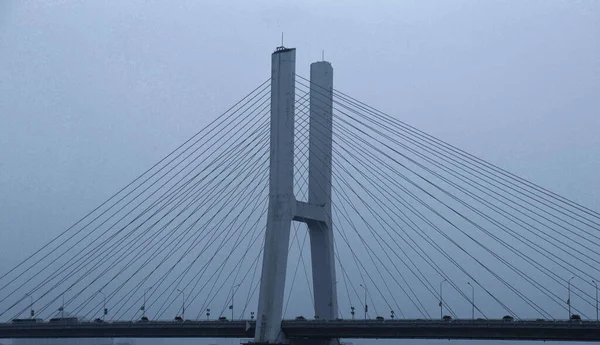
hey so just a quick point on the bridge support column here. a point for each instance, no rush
(281, 197)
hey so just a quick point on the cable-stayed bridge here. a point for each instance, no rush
(409, 237)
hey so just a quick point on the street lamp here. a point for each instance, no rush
(104, 310)
(472, 300)
(31, 313)
(569, 299)
(442, 299)
(596, 285)
(143, 308)
(182, 304)
(207, 314)
(232, 296)
(366, 307)
(62, 308)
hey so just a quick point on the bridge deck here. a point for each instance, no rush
(391, 329)
(462, 329)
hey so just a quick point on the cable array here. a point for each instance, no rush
(412, 213)
(183, 234)
(420, 226)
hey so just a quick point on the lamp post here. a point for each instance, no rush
(144, 305)
(366, 307)
(472, 300)
(207, 314)
(232, 296)
(62, 308)
(182, 304)
(442, 299)
(31, 313)
(596, 285)
(104, 310)
(569, 298)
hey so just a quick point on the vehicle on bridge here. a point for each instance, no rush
(26, 320)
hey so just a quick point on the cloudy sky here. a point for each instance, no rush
(94, 92)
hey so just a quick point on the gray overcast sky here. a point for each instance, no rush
(94, 92)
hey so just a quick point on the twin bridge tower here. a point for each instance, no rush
(283, 206)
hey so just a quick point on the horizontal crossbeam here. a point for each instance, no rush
(306, 212)
(391, 329)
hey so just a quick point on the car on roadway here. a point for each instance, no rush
(27, 320)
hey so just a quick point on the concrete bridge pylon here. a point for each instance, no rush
(283, 206)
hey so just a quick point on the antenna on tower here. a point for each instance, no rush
(323, 55)
(281, 47)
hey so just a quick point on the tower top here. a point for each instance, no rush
(323, 62)
(282, 49)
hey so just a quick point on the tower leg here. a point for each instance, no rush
(319, 177)
(281, 197)
(321, 232)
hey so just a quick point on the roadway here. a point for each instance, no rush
(345, 329)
